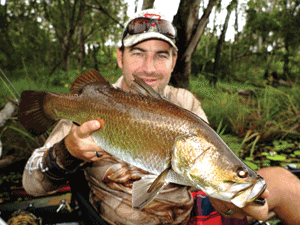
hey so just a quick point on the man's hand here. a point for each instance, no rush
(80, 144)
(256, 211)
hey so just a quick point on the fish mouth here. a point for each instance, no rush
(255, 198)
(240, 199)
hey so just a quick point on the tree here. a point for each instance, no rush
(289, 18)
(189, 30)
(147, 4)
(83, 22)
(221, 41)
(65, 17)
(22, 39)
(274, 25)
(6, 46)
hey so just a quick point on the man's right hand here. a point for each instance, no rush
(80, 143)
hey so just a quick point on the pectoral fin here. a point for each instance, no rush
(145, 190)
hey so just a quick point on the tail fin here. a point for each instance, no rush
(31, 114)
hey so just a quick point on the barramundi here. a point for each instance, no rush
(146, 130)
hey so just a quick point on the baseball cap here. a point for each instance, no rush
(153, 32)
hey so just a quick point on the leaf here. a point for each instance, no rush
(283, 146)
(249, 158)
(251, 165)
(277, 157)
(297, 152)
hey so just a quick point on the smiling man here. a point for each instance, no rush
(148, 51)
(153, 61)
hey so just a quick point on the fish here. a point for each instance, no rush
(146, 130)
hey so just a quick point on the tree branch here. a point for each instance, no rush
(100, 8)
(199, 30)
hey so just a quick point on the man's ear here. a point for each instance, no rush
(120, 57)
(174, 61)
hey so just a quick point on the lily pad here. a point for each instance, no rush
(277, 157)
(297, 152)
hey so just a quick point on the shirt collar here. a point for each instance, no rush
(119, 82)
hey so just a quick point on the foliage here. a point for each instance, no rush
(53, 33)
(8, 181)
(271, 112)
(262, 129)
(275, 27)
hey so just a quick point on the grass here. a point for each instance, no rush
(31, 79)
(253, 122)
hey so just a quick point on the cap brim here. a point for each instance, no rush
(131, 40)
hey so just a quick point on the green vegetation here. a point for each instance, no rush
(262, 127)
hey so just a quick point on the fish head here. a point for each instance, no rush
(212, 167)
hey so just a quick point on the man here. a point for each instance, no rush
(149, 52)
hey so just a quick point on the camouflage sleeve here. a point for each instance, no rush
(36, 180)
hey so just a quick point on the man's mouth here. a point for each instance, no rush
(150, 81)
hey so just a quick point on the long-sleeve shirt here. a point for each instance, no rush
(110, 179)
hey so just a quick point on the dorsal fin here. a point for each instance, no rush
(139, 86)
(91, 76)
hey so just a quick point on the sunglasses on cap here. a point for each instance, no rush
(143, 24)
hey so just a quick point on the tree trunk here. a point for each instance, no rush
(148, 4)
(95, 52)
(286, 60)
(189, 32)
(81, 54)
(6, 46)
(213, 80)
(70, 21)
(136, 2)
(236, 24)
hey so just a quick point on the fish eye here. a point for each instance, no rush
(241, 172)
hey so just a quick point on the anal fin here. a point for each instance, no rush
(146, 189)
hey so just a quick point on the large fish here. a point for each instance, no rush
(149, 132)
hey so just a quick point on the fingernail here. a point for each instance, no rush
(97, 125)
(100, 123)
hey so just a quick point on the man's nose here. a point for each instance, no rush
(149, 65)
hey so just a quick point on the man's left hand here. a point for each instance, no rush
(256, 211)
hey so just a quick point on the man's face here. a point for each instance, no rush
(151, 60)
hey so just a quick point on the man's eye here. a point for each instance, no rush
(163, 56)
(137, 53)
